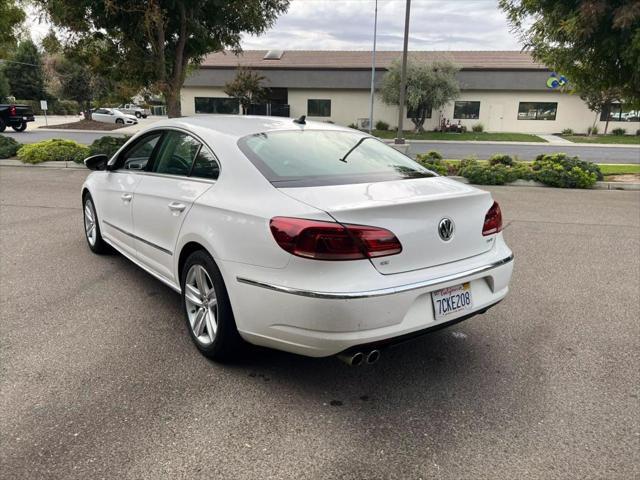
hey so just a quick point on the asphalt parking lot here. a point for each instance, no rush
(99, 379)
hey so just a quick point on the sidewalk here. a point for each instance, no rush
(563, 143)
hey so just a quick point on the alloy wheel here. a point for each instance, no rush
(90, 223)
(201, 304)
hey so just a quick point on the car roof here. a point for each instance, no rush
(242, 125)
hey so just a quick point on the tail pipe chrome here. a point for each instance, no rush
(355, 359)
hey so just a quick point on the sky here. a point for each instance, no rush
(348, 25)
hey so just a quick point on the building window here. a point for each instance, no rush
(465, 109)
(217, 105)
(319, 108)
(617, 112)
(537, 110)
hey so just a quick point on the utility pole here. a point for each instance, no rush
(373, 66)
(403, 76)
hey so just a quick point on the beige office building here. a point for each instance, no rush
(506, 91)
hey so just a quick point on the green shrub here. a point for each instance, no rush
(55, 149)
(433, 161)
(592, 130)
(619, 131)
(478, 127)
(501, 158)
(352, 125)
(567, 131)
(560, 170)
(483, 174)
(8, 147)
(380, 125)
(107, 145)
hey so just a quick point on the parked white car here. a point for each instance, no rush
(301, 236)
(113, 115)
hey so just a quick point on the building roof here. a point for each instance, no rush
(339, 60)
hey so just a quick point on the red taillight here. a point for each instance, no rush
(492, 220)
(332, 241)
(12, 111)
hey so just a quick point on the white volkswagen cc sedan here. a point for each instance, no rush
(301, 236)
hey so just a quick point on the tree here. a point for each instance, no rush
(4, 86)
(247, 88)
(599, 100)
(429, 86)
(595, 43)
(78, 83)
(24, 72)
(11, 19)
(50, 43)
(156, 41)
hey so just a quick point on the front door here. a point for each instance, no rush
(495, 118)
(116, 193)
(164, 197)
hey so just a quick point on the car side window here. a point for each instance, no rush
(205, 165)
(137, 155)
(101, 110)
(176, 154)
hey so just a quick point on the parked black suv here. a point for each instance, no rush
(15, 116)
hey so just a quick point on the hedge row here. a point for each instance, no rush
(554, 170)
(59, 150)
(55, 107)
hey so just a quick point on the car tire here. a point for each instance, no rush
(3, 125)
(119, 121)
(144, 116)
(207, 309)
(21, 127)
(92, 227)
(138, 114)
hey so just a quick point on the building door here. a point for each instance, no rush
(495, 117)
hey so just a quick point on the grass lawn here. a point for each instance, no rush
(620, 139)
(619, 169)
(484, 136)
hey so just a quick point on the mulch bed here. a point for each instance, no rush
(86, 125)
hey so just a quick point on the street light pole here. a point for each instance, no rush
(403, 76)
(373, 66)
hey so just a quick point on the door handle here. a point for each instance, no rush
(177, 207)
(126, 197)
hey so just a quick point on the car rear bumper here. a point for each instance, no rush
(19, 119)
(320, 323)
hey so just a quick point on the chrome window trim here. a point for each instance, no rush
(147, 242)
(162, 130)
(381, 292)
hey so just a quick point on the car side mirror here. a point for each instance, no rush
(97, 162)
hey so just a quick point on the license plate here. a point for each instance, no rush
(25, 118)
(452, 300)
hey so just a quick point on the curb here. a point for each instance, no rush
(17, 163)
(533, 183)
(518, 183)
(531, 144)
(63, 130)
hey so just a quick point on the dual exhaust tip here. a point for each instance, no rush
(355, 359)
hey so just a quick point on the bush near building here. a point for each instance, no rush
(53, 150)
(8, 147)
(107, 145)
(380, 125)
(478, 128)
(554, 170)
(618, 131)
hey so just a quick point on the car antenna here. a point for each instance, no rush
(301, 120)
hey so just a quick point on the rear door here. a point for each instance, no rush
(183, 169)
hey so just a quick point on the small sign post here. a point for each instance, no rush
(43, 107)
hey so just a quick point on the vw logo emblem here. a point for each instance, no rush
(445, 229)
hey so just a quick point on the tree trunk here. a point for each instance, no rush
(87, 110)
(174, 108)
(606, 125)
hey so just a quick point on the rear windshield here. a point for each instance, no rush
(326, 157)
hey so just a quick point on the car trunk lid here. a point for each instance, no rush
(412, 209)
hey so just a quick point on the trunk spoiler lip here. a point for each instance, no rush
(380, 292)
